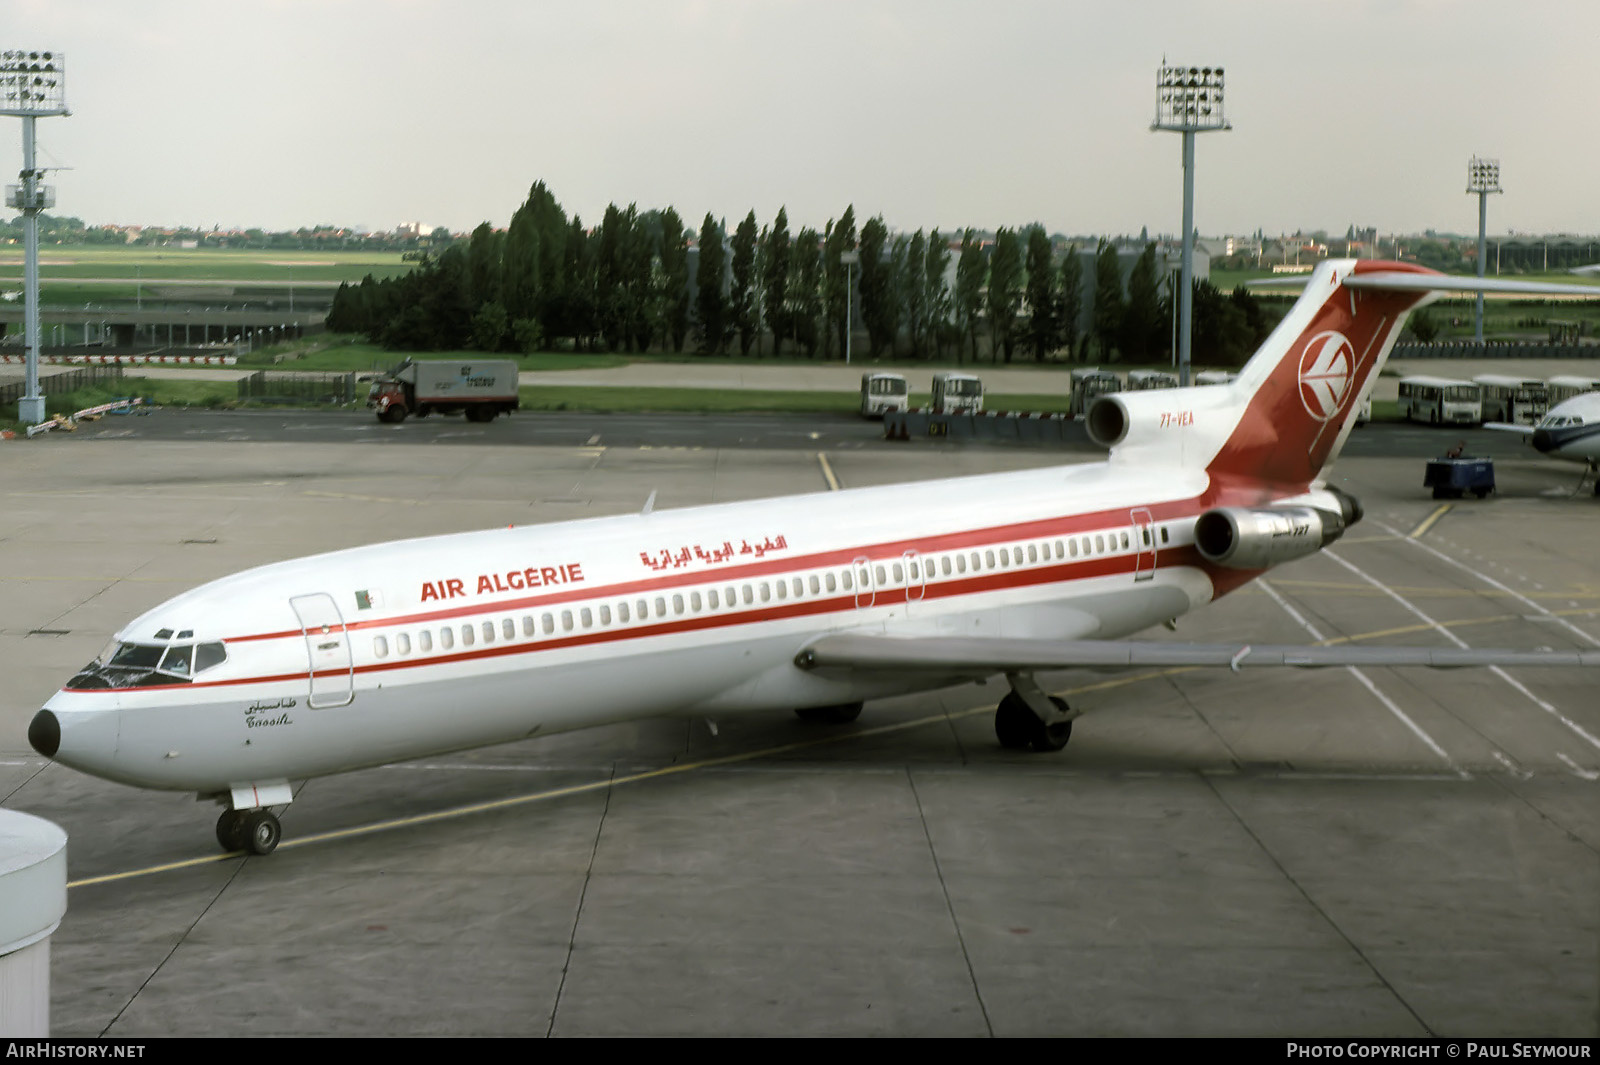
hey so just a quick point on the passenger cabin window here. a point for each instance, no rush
(402, 644)
(447, 639)
(586, 617)
(547, 622)
(424, 641)
(380, 647)
(566, 621)
(488, 632)
(508, 629)
(466, 636)
(605, 614)
(622, 612)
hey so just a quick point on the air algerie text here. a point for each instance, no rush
(511, 581)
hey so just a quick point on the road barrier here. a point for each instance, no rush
(126, 360)
(1494, 349)
(996, 426)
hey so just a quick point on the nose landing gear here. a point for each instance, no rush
(255, 831)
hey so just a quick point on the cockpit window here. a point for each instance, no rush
(176, 660)
(143, 665)
(136, 656)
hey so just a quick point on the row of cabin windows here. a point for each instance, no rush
(781, 589)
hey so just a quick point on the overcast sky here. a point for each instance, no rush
(283, 113)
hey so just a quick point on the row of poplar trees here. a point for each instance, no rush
(547, 281)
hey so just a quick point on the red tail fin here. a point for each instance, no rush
(1304, 385)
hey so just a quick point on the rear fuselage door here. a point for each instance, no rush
(329, 665)
(1144, 564)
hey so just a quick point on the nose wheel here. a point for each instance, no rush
(254, 831)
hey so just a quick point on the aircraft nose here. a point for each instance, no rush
(44, 733)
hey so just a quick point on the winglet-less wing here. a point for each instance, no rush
(1507, 427)
(976, 655)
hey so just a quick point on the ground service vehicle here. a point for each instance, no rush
(1563, 388)
(883, 392)
(479, 388)
(957, 393)
(1521, 400)
(1088, 384)
(1441, 400)
(1139, 380)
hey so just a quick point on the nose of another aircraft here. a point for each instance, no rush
(44, 733)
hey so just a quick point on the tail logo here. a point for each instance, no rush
(1327, 368)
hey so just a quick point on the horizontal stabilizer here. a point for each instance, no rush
(984, 655)
(1407, 281)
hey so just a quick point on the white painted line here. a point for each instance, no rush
(1366, 681)
(1515, 769)
(1586, 774)
(1491, 581)
(1453, 638)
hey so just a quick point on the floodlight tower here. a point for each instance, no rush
(1188, 101)
(1483, 177)
(32, 86)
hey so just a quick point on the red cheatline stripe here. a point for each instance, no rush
(1070, 525)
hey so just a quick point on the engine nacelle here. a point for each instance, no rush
(1261, 537)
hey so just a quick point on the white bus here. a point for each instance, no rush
(1564, 388)
(1089, 382)
(957, 393)
(1138, 380)
(1441, 400)
(1214, 377)
(883, 392)
(1518, 400)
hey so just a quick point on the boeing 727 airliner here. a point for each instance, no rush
(816, 603)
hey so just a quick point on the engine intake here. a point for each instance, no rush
(1262, 537)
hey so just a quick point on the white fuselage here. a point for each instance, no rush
(399, 650)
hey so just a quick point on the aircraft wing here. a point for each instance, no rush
(986, 655)
(1506, 427)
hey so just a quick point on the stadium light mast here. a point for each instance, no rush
(1188, 101)
(32, 86)
(1483, 177)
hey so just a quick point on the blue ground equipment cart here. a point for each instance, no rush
(1452, 478)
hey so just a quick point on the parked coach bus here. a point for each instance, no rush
(1518, 400)
(1087, 383)
(1441, 400)
(883, 392)
(1138, 380)
(1564, 388)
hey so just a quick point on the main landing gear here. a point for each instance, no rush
(255, 831)
(1027, 719)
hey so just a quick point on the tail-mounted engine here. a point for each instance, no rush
(1262, 537)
